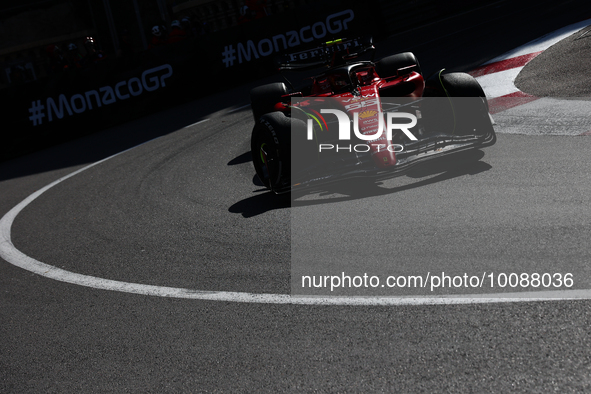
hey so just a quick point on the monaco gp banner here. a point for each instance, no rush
(54, 108)
(260, 42)
(78, 102)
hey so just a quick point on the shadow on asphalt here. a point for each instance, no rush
(94, 147)
(243, 158)
(437, 170)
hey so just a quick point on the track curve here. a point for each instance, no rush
(545, 77)
(180, 241)
(183, 211)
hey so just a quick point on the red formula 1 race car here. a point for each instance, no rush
(361, 118)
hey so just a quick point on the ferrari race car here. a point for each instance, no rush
(361, 117)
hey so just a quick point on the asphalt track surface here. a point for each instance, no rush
(183, 211)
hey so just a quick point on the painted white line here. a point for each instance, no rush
(239, 108)
(196, 123)
(543, 42)
(14, 256)
(501, 83)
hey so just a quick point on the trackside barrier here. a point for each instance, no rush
(79, 102)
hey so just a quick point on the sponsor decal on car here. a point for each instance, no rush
(367, 114)
(362, 104)
(357, 98)
(370, 121)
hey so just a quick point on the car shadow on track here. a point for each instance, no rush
(246, 157)
(263, 201)
(437, 170)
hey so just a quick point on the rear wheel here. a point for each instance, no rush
(271, 151)
(263, 98)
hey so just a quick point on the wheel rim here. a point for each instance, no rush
(265, 161)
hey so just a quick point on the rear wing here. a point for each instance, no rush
(329, 54)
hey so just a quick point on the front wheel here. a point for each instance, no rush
(460, 103)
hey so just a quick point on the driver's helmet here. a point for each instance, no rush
(156, 31)
(337, 81)
(364, 77)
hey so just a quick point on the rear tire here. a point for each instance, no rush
(271, 150)
(263, 98)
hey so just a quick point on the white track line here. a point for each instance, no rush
(196, 123)
(14, 256)
(239, 108)
(544, 42)
(502, 82)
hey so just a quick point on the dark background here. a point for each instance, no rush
(122, 31)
